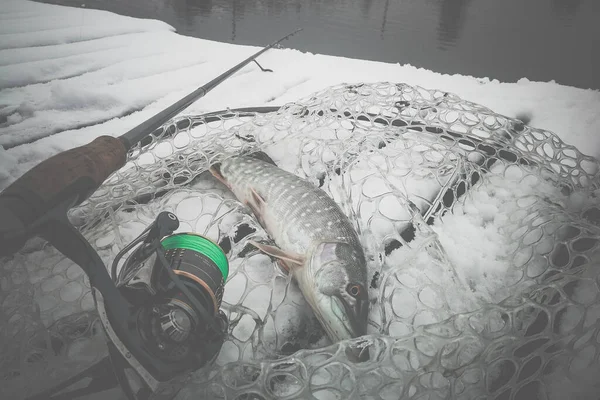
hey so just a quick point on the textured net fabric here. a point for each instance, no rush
(424, 175)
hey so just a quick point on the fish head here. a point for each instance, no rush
(341, 299)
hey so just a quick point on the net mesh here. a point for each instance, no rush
(481, 235)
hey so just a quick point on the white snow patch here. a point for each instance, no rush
(69, 91)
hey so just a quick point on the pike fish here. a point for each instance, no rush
(314, 239)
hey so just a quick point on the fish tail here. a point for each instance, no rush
(261, 155)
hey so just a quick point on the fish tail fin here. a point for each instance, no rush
(215, 170)
(261, 155)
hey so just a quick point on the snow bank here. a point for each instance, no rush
(6, 163)
(68, 75)
(29, 24)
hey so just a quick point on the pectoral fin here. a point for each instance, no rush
(214, 170)
(256, 203)
(290, 260)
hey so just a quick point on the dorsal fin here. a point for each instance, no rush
(261, 155)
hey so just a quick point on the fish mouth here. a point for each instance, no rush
(358, 321)
(341, 319)
(357, 316)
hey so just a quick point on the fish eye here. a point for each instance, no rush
(354, 290)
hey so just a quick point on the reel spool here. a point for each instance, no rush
(197, 260)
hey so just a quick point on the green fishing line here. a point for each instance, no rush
(201, 245)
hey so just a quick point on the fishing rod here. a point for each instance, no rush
(76, 173)
(161, 309)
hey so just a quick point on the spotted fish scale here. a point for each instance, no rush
(299, 214)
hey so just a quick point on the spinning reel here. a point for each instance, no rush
(172, 285)
(160, 307)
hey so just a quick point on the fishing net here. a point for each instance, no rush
(481, 235)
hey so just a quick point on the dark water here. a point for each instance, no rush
(541, 40)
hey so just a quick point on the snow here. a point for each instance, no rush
(69, 75)
(7, 161)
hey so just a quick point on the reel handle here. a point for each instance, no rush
(72, 174)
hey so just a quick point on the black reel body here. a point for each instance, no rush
(167, 321)
(174, 284)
